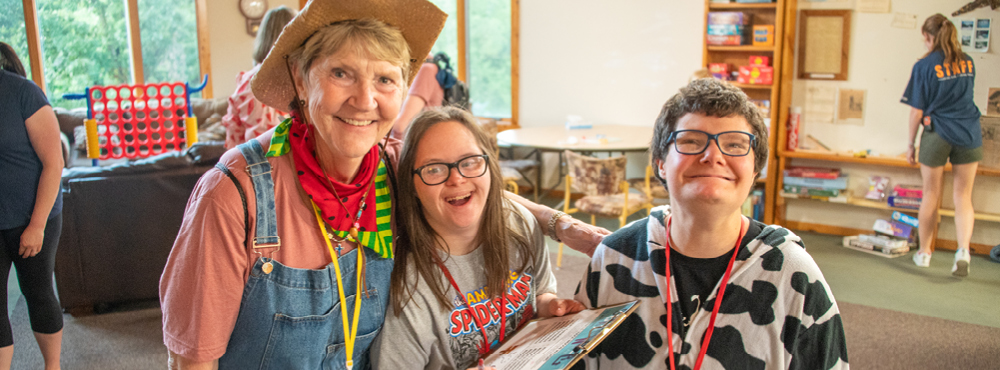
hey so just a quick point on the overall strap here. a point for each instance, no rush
(243, 199)
(266, 234)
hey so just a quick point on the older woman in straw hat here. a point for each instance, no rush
(284, 256)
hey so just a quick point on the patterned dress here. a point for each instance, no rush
(777, 310)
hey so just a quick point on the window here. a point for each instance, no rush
(489, 58)
(448, 39)
(83, 44)
(90, 43)
(490, 52)
(12, 30)
(169, 41)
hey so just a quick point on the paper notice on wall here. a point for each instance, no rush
(981, 43)
(820, 104)
(904, 20)
(993, 102)
(974, 34)
(851, 107)
(873, 6)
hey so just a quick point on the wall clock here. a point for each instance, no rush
(253, 11)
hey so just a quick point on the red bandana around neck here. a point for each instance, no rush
(311, 176)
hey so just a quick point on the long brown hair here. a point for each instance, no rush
(945, 38)
(10, 62)
(270, 27)
(418, 243)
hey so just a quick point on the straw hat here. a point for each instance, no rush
(418, 20)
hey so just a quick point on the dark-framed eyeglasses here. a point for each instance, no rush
(437, 173)
(731, 143)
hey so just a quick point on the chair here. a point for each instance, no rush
(655, 192)
(606, 193)
(512, 170)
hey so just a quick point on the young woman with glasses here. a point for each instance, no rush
(471, 266)
(718, 290)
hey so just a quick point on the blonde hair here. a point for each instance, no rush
(270, 27)
(369, 37)
(945, 38)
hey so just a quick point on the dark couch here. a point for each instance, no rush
(119, 223)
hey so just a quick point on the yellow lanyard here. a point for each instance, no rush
(352, 334)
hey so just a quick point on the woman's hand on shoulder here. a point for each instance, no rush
(580, 236)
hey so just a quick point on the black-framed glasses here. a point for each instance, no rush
(437, 173)
(731, 143)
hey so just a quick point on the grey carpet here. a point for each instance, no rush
(877, 338)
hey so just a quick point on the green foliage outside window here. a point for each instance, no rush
(169, 41)
(488, 45)
(447, 41)
(86, 43)
(12, 30)
(83, 44)
(489, 58)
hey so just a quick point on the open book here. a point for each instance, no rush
(559, 342)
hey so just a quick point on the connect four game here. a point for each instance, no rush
(138, 121)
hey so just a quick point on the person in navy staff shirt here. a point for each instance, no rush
(940, 94)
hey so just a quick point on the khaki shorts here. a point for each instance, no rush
(935, 152)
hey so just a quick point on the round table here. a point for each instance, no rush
(599, 138)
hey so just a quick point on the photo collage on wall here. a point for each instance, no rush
(974, 34)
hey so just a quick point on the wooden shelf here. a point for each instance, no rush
(836, 157)
(978, 215)
(750, 86)
(743, 48)
(862, 202)
(720, 6)
(874, 160)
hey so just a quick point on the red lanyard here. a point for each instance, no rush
(715, 310)
(485, 348)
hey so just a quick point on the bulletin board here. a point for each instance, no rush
(824, 44)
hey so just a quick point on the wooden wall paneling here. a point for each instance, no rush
(515, 61)
(204, 49)
(463, 36)
(34, 43)
(135, 40)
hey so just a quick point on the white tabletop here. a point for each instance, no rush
(599, 138)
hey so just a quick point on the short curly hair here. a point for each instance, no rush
(714, 98)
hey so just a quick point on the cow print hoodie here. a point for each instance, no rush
(777, 311)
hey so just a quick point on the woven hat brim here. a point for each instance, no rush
(419, 21)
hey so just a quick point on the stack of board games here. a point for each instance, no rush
(826, 184)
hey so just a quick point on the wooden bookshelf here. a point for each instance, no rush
(741, 6)
(872, 160)
(751, 86)
(780, 14)
(741, 48)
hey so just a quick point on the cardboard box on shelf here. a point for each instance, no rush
(759, 61)
(719, 70)
(728, 18)
(756, 75)
(724, 40)
(763, 35)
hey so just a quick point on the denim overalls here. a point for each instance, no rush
(291, 318)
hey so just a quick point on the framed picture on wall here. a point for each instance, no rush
(824, 44)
